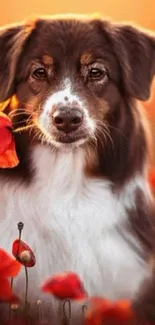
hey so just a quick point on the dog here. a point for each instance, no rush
(81, 187)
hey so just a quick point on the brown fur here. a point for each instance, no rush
(128, 55)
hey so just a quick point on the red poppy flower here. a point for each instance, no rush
(120, 313)
(9, 268)
(8, 156)
(96, 309)
(152, 177)
(65, 286)
(23, 253)
(105, 312)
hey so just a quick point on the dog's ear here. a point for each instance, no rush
(135, 51)
(12, 41)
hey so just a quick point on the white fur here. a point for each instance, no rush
(58, 98)
(70, 222)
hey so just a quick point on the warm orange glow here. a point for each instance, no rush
(14, 102)
(141, 12)
(4, 105)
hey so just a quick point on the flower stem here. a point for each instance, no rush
(10, 303)
(26, 285)
(84, 308)
(20, 226)
(26, 303)
(40, 312)
(67, 318)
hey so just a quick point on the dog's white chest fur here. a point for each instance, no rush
(71, 222)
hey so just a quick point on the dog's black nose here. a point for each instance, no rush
(67, 119)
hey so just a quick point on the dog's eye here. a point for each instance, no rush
(40, 73)
(96, 73)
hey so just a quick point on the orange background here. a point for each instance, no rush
(141, 12)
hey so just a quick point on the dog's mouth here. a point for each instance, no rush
(50, 134)
(59, 139)
(70, 138)
(68, 141)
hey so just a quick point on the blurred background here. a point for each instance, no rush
(139, 12)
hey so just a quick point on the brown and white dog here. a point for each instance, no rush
(81, 188)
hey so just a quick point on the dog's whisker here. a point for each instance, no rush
(19, 114)
(105, 124)
(23, 128)
(104, 130)
(108, 136)
(23, 121)
(105, 134)
(36, 135)
(18, 123)
(19, 111)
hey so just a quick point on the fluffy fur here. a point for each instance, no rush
(83, 196)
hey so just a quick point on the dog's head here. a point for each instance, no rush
(76, 78)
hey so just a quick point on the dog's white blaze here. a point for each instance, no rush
(59, 97)
(71, 223)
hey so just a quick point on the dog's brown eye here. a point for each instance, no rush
(40, 73)
(95, 73)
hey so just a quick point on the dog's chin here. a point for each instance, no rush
(61, 140)
(68, 142)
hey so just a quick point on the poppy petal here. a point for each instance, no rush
(23, 253)
(96, 309)
(65, 286)
(5, 121)
(152, 177)
(9, 267)
(102, 311)
(8, 155)
(120, 313)
(9, 159)
(6, 294)
(5, 139)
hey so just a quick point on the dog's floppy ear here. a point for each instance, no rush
(135, 51)
(12, 41)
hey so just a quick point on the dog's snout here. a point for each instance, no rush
(67, 119)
